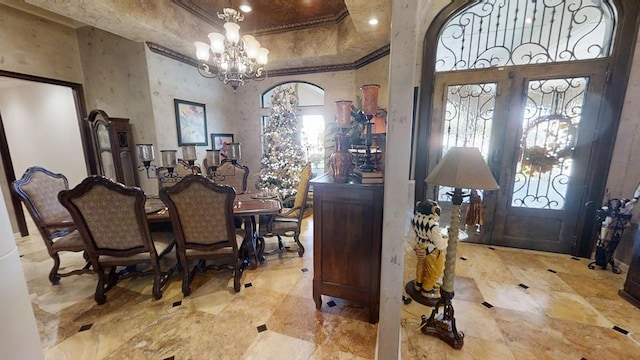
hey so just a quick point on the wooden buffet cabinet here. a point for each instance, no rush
(347, 240)
(631, 290)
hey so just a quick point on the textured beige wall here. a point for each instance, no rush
(169, 80)
(31, 45)
(116, 81)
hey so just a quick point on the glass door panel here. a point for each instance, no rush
(550, 123)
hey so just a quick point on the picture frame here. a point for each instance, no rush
(191, 122)
(219, 140)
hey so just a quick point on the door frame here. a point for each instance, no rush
(85, 136)
(608, 119)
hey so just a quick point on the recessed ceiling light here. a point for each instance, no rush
(528, 20)
(245, 8)
(373, 21)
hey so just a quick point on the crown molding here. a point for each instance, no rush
(378, 54)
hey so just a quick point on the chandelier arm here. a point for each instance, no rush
(203, 69)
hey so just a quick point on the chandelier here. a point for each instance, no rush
(235, 59)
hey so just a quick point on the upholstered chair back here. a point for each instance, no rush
(302, 191)
(201, 211)
(234, 175)
(39, 190)
(109, 215)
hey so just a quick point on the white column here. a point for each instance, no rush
(19, 338)
(401, 79)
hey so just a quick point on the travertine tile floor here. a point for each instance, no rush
(536, 306)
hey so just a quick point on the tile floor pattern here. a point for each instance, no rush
(511, 304)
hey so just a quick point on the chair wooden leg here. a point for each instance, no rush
(186, 289)
(99, 296)
(157, 283)
(296, 237)
(54, 278)
(237, 274)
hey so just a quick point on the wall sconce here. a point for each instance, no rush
(146, 154)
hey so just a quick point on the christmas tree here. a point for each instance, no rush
(284, 156)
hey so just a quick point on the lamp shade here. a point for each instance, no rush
(213, 157)
(145, 152)
(379, 125)
(189, 153)
(233, 151)
(168, 158)
(343, 113)
(463, 168)
(370, 98)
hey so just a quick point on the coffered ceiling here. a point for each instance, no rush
(302, 35)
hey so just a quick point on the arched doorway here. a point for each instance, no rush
(527, 82)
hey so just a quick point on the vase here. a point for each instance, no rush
(341, 159)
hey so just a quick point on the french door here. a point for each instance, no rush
(534, 125)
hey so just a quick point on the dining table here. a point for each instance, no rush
(249, 205)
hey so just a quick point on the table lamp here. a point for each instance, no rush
(460, 168)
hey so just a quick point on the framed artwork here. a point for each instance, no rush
(191, 123)
(218, 142)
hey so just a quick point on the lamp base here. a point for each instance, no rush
(415, 295)
(444, 325)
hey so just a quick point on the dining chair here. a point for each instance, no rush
(201, 214)
(289, 221)
(232, 174)
(112, 222)
(38, 190)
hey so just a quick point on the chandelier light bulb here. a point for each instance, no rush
(232, 32)
(202, 51)
(217, 42)
(251, 46)
(263, 55)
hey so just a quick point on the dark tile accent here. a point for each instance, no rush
(177, 303)
(575, 258)
(248, 285)
(304, 269)
(170, 358)
(621, 330)
(487, 305)
(552, 271)
(523, 286)
(491, 248)
(262, 328)
(85, 327)
(463, 258)
(331, 303)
